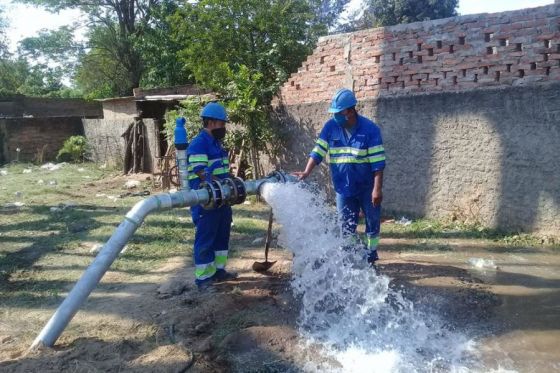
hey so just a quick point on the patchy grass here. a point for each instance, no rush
(426, 229)
(47, 242)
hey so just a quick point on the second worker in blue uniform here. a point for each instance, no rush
(357, 159)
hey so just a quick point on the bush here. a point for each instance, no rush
(73, 150)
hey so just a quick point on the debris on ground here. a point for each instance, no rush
(26, 171)
(3, 173)
(53, 167)
(137, 194)
(14, 204)
(40, 182)
(131, 184)
(403, 221)
(52, 182)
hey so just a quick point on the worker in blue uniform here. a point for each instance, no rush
(208, 160)
(357, 159)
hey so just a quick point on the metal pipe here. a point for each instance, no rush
(133, 219)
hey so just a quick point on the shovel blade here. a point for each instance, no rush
(262, 266)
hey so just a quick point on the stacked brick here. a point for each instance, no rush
(39, 139)
(454, 54)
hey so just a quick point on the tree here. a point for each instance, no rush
(99, 73)
(393, 12)
(272, 37)
(53, 47)
(159, 50)
(244, 50)
(53, 56)
(4, 50)
(116, 27)
(327, 12)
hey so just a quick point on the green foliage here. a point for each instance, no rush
(159, 50)
(244, 50)
(73, 150)
(327, 12)
(393, 12)
(53, 47)
(115, 37)
(219, 36)
(100, 75)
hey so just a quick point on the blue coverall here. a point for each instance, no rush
(354, 157)
(211, 240)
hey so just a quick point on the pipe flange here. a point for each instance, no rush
(280, 176)
(215, 194)
(220, 200)
(233, 187)
(241, 190)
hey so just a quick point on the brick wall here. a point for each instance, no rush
(454, 54)
(34, 136)
(479, 151)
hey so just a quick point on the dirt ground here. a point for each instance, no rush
(156, 321)
(249, 325)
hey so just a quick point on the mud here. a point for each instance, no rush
(250, 324)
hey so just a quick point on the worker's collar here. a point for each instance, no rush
(208, 135)
(355, 126)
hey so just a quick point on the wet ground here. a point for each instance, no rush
(506, 300)
(511, 303)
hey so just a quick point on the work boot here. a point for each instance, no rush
(372, 257)
(222, 275)
(206, 286)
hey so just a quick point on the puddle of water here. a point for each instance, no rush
(526, 323)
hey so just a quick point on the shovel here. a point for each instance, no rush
(265, 266)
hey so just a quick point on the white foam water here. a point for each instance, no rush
(360, 322)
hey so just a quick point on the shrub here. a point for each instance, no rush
(73, 150)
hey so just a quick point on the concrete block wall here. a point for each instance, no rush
(108, 146)
(449, 55)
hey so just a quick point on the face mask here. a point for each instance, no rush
(340, 119)
(219, 133)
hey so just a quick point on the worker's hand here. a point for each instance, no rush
(376, 197)
(300, 174)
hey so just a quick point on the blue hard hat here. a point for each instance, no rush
(342, 99)
(213, 110)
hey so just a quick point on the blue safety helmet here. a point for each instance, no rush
(213, 110)
(342, 99)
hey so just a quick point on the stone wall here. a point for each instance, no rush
(39, 139)
(483, 150)
(453, 54)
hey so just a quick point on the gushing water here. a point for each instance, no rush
(362, 324)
